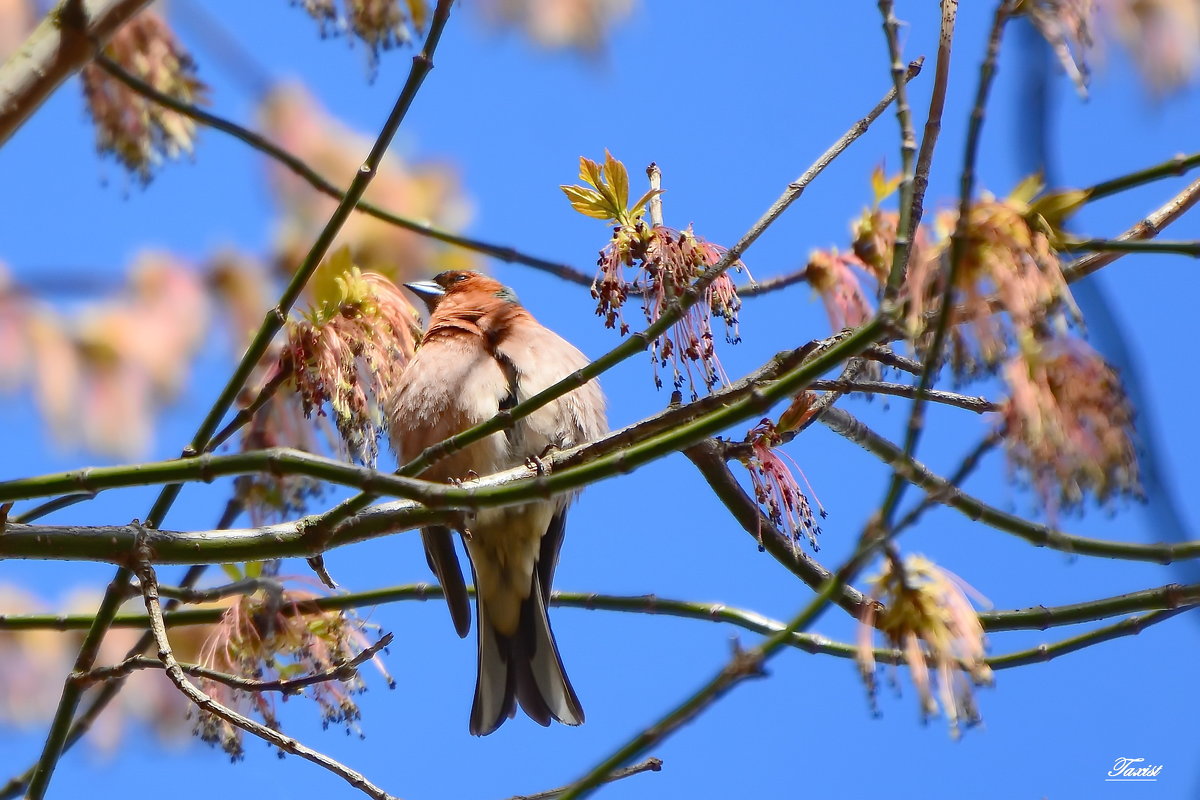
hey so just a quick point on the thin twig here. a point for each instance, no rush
(341, 671)
(1179, 165)
(886, 356)
(841, 422)
(759, 288)
(977, 404)
(246, 414)
(968, 465)
(1045, 652)
(326, 187)
(50, 506)
(933, 357)
(1134, 246)
(933, 122)
(908, 150)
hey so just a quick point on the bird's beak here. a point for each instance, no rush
(428, 291)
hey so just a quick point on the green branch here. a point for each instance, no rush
(1134, 246)
(1179, 165)
(908, 150)
(843, 423)
(1164, 598)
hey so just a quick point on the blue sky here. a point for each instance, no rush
(732, 102)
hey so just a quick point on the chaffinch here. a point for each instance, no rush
(483, 352)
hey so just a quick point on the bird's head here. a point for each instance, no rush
(462, 288)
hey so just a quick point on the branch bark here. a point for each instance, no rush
(60, 46)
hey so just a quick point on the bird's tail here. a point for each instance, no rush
(524, 668)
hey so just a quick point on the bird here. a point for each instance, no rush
(483, 353)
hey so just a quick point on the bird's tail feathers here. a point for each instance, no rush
(524, 668)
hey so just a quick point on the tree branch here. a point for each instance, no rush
(1169, 597)
(916, 419)
(843, 423)
(1148, 228)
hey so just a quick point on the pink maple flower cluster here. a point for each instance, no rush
(1068, 425)
(379, 24)
(661, 265)
(1162, 36)
(137, 131)
(776, 488)
(349, 354)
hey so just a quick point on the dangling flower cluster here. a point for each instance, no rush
(1066, 26)
(666, 263)
(380, 24)
(776, 489)
(582, 24)
(139, 132)
(1068, 426)
(832, 276)
(1009, 282)
(926, 615)
(1163, 36)
(1007, 258)
(100, 374)
(275, 634)
(349, 353)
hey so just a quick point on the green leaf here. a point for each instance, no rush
(233, 571)
(590, 172)
(1027, 189)
(618, 179)
(588, 202)
(254, 569)
(881, 186)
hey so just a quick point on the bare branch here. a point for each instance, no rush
(1148, 228)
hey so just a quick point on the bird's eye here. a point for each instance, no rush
(459, 278)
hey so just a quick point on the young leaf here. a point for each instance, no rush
(588, 202)
(618, 180)
(589, 172)
(640, 206)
